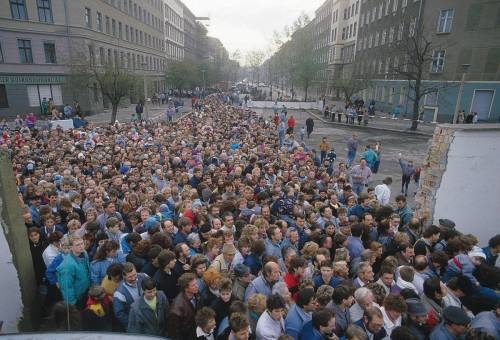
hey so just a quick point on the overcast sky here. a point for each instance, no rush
(247, 25)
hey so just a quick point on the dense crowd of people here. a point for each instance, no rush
(221, 226)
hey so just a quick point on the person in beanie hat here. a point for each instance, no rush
(455, 322)
(222, 263)
(416, 318)
(97, 313)
(242, 279)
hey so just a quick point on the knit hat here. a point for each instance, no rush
(240, 270)
(456, 316)
(444, 222)
(477, 252)
(415, 307)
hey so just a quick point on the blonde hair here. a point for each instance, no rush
(310, 250)
(257, 303)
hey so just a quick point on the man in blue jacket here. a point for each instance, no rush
(129, 290)
(372, 324)
(320, 327)
(300, 313)
(73, 274)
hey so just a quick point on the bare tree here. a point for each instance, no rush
(114, 81)
(417, 55)
(254, 59)
(350, 87)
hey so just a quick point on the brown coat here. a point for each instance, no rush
(180, 319)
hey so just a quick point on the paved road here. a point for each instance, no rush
(125, 113)
(412, 147)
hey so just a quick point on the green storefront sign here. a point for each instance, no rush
(31, 79)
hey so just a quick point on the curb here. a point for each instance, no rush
(361, 127)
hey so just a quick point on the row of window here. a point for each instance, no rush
(127, 60)
(111, 26)
(444, 23)
(174, 34)
(349, 31)
(26, 53)
(172, 17)
(174, 52)
(386, 36)
(140, 13)
(392, 65)
(351, 10)
(44, 8)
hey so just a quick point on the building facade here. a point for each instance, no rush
(41, 39)
(458, 41)
(174, 29)
(335, 34)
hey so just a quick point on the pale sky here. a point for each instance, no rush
(247, 25)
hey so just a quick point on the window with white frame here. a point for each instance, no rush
(381, 10)
(377, 35)
(384, 36)
(374, 14)
(445, 21)
(395, 5)
(387, 6)
(437, 65)
(404, 3)
(391, 34)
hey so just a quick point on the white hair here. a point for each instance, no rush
(362, 293)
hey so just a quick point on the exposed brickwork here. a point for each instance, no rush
(432, 172)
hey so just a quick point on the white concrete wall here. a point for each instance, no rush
(10, 293)
(470, 188)
(289, 105)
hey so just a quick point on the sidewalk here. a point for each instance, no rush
(378, 122)
(125, 113)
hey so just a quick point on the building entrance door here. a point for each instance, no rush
(481, 103)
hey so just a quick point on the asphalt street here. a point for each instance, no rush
(412, 147)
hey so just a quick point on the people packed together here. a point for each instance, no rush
(217, 227)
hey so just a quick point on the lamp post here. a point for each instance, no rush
(144, 65)
(465, 68)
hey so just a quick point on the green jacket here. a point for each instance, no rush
(73, 275)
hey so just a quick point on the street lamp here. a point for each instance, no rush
(465, 68)
(144, 67)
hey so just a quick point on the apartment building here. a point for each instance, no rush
(464, 37)
(40, 39)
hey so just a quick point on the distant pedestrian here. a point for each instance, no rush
(378, 149)
(469, 118)
(302, 133)
(352, 148)
(396, 112)
(366, 117)
(408, 172)
(323, 147)
(139, 109)
(309, 126)
(291, 125)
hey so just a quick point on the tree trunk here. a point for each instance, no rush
(416, 102)
(114, 113)
(414, 118)
(305, 93)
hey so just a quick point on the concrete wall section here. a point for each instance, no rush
(289, 105)
(469, 188)
(10, 293)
